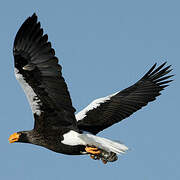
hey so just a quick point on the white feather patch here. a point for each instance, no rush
(73, 138)
(93, 105)
(103, 143)
(34, 101)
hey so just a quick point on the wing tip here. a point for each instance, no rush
(34, 17)
(156, 73)
(159, 75)
(27, 23)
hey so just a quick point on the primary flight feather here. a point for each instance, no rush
(56, 126)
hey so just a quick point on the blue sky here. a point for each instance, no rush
(103, 46)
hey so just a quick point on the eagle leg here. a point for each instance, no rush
(92, 150)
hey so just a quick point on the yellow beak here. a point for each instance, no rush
(14, 137)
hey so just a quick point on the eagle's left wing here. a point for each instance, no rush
(109, 110)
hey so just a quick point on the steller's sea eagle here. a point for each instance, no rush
(56, 126)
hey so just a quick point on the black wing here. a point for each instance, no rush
(107, 111)
(38, 71)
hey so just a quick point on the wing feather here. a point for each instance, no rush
(109, 110)
(39, 74)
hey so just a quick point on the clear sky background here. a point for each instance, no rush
(103, 47)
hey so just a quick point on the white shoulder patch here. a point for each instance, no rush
(93, 105)
(34, 101)
(72, 138)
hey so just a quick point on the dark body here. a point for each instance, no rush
(51, 140)
(38, 71)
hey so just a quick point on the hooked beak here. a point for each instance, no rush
(14, 137)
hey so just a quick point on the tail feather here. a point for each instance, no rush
(103, 143)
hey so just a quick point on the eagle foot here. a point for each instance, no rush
(94, 157)
(99, 154)
(92, 150)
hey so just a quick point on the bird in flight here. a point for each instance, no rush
(56, 126)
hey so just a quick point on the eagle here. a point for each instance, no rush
(56, 126)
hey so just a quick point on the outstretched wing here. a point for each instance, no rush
(109, 110)
(38, 72)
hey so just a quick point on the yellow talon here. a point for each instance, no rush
(92, 150)
(104, 161)
(94, 157)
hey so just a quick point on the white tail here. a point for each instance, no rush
(103, 143)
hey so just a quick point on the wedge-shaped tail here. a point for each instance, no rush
(103, 143)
